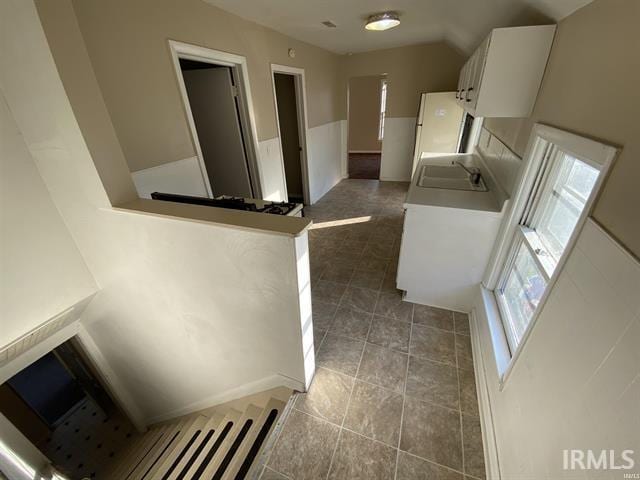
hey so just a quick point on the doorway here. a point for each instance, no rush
(288, 91)
(366, 118)
(217, 100)
(60, 405)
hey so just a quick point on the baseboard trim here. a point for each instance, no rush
(251, 388)
(491, 459)
(365, 151)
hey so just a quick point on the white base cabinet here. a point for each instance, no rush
(444, 253)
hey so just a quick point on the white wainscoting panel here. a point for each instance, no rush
(344, 132)
(325, 158)
(182, 177)
(397, 149)
(271, 170)
(576, 382)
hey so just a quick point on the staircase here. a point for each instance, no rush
(221, 443)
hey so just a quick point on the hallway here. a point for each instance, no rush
(365, 165)
(394, 393)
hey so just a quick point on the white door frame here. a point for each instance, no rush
(238, 64)
(303, 126)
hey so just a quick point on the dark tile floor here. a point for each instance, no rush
(394, 393)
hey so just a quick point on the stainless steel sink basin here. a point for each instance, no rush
(450, 177)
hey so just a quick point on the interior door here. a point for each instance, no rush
(287, 110)
(215, 113)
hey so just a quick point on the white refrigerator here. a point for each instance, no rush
(438, 125)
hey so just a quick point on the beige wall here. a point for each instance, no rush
(590, 87)
(127, 44)
(410, 71)
(41, 270)
(364, 113)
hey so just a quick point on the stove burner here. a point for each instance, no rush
(235, 203)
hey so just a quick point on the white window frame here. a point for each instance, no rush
(384, 90)
(543, 144)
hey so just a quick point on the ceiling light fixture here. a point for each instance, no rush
(382, 21)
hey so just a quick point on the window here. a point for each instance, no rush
(383, 107)
(552, 202)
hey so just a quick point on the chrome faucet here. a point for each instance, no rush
(474, 173)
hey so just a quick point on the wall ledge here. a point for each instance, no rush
(251, 221)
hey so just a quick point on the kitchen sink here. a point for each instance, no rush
(450, 177)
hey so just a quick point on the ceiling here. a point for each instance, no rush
(461, 23)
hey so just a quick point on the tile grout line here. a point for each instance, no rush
(391, 390)
(340, 303)
(277, 439)
(350, 393)
(440, 465)
(344, 417)
(272, 470)
(404, 392)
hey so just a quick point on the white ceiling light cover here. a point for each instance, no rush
(382, 21)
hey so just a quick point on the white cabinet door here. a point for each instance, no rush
(469, 88)
(503, 76)
(461, 83)
(478, 58)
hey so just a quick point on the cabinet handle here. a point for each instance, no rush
(461, 91)
(466, 97)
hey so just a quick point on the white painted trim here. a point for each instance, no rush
(501, 351)
(39, 341)
(251, 388)
(238, 63)
(303, 124)
(38, 351)
(111, 382)
(491, 458)
(580, 147)
(366, 151)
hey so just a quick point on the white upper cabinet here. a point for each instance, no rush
(503, 76)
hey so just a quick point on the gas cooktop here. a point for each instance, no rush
(234, 203)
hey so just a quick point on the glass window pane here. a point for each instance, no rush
(566, 200)
(582, 178)
(522, 291)
(558, 222)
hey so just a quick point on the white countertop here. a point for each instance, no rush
(490, 201)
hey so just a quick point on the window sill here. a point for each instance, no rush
(501, 352)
